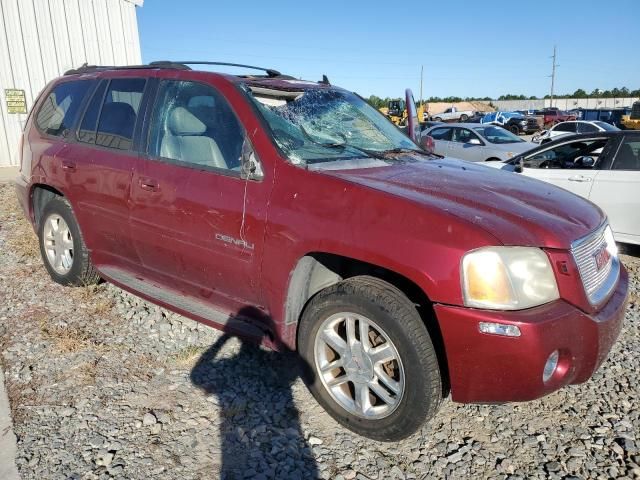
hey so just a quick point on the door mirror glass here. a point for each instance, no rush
(585, 162)
(427, 143)
(251, 168)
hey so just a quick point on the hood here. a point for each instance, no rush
(515, 209)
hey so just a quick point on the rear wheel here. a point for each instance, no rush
(464, 118)
(375, 367)
(61, 245)
(437, 119)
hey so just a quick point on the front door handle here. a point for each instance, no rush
(579, 178)
(149, 184)
(68, 166)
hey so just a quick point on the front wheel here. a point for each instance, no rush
(374, 366)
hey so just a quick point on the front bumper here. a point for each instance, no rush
(486, 368)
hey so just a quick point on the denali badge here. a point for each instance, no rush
(601, 257)
(234, 241)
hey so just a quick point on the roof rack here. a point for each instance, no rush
(85, 68)
(269, 71)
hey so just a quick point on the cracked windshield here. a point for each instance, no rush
(327, 125)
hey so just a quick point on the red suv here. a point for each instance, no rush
(294, 213)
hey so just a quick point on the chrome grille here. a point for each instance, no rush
(597, 282)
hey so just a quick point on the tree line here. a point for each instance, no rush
(379, 102)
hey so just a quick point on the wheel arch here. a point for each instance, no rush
(318, 270)
(41, 194)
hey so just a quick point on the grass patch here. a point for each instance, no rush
(66, 339)
(188, 356)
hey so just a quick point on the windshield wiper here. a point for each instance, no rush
(378, 154)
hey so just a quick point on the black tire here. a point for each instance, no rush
(398, 317)
(514, 129)
(82, 272)
(492, 159)
(464, 118)
(437, 119)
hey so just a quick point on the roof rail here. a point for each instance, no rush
(85, 68)
(269, 71)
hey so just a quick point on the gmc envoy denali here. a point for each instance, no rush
(398, 276)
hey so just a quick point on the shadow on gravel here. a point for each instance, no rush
(260, 429)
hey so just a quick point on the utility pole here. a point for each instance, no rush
(421, 72)
(553, 74)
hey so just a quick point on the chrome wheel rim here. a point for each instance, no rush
(58, 244)
(359, 365)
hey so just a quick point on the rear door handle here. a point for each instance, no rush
(579, 178)
(149, 184)
(68, 165)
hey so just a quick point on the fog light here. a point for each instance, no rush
(550, 366)
(499, 329)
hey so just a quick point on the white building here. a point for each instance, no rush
(41, 39)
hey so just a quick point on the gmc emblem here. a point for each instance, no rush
(601, 257)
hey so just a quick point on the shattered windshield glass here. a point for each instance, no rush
(326, 125)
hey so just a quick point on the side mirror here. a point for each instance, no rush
(427, 143)
(518, 167)
(586, 162)
(474, 141)
(250, 168)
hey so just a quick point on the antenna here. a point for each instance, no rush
(553, 74)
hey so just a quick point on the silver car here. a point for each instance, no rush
(475, 142)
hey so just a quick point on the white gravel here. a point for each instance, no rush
(104, 385)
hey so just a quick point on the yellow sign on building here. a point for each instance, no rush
(16, 100)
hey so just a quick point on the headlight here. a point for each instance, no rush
(507, 278)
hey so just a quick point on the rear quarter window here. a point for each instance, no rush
(59, 109)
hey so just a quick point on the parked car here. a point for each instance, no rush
(475, 118)
(612, 116)
(453, 115)
(295, 214)
(476, 142)
(515, 122)
(567, 128)
(552, 116)
(603, 167)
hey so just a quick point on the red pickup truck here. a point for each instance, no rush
(295, 214)
(551, 117)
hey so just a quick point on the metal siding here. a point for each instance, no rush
(89, 31)
(6, 79)
(104, 33)
(41, 39)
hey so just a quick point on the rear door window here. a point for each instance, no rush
(441, 133)
(628, 156)
(565, 127)
(111, 116)
(89, 125)
(58, 111)
(587, 128)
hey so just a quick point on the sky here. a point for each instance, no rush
(467, 48)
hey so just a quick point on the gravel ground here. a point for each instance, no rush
(105, 385)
